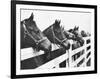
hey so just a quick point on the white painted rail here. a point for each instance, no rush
(29, 53)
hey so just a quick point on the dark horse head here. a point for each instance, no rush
(31, 36)
(55, 35)
(69, 35)
(78, 36)
(85, 34)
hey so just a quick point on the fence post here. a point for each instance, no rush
(70, 56)
(67, 58)
(84, 64)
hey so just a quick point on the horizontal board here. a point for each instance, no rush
(29, 52)
(55, 62)
(79, 49)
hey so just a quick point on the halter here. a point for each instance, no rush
(27, 32)
(61, 41)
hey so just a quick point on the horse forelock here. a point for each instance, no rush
(56, 24)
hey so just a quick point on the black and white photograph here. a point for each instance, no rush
(55, 39)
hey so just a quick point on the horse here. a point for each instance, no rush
(55, 34)
(77, 40)
(31, 36)
(69, 35)
(72, 39)
(78, 37)
(84, 34)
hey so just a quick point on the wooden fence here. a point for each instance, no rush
(79, 57)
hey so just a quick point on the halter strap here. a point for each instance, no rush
(27, 32)
(61, 41)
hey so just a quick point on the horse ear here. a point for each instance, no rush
(78, 28)
(59, 21)
(55, 21)
(75, 28)
(31, 17)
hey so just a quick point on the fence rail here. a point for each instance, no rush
(29, 52)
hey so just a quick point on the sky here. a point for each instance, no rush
(68, 19)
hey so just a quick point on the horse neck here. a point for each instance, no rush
(49, 33)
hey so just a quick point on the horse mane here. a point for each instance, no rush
(57, 24)
(47, 28)
(50, 26)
